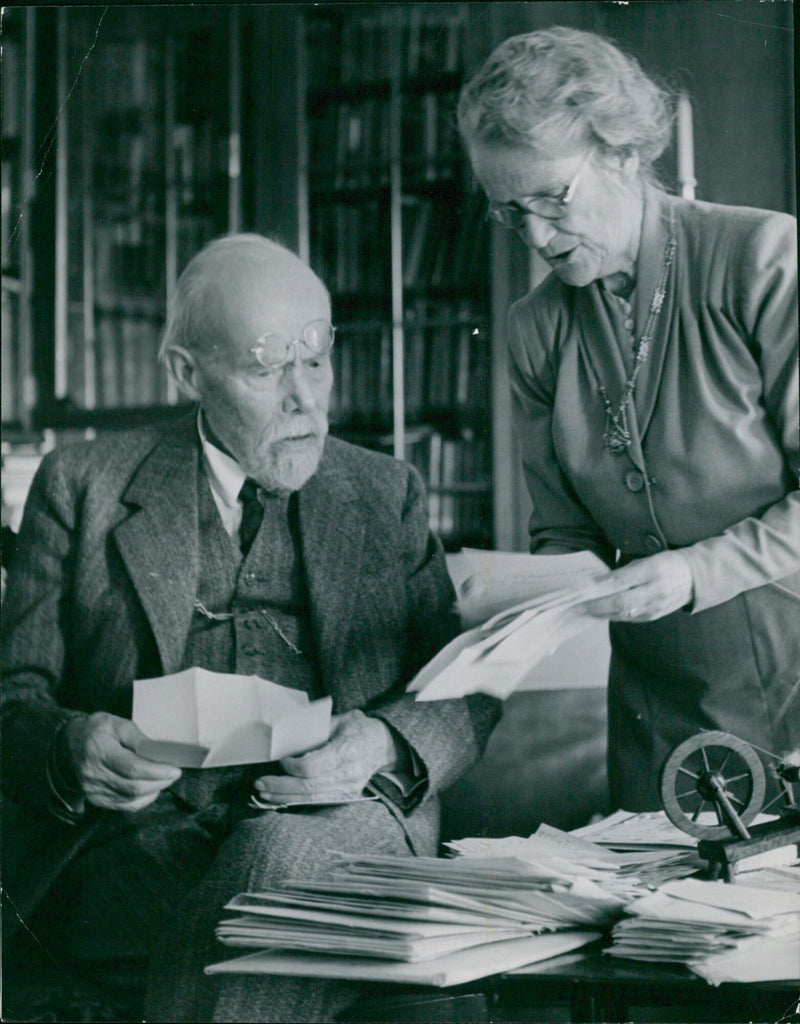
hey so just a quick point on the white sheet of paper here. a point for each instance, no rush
(762, 959)
(500, 579)
(740, 899)
(202, 719)
(630, 828)
(454, 969)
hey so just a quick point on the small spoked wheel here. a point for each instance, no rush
(713, 771)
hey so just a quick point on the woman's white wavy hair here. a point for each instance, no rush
(558, 90)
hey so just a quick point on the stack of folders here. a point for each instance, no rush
(419, 920)
(747, 932)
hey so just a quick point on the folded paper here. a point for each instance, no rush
(202, 719)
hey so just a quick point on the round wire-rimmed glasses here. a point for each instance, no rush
(274, 350)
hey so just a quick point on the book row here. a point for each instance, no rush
(119, 369)
(130, 256)
(351, 140)
(366, 49)
(441, 243)
(130, 163)
(459, 489)
(447, 366)
(456, 469)
(350, 245)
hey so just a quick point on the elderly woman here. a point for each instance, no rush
(654, 375)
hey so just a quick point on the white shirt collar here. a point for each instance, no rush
(225, 474)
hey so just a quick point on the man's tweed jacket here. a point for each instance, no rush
(101, 593)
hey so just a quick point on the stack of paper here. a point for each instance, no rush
(721, 932)
(444, 921)
(665, 851)
(291, 920)
(526, 607)
(670, 852)
(538, 895)
(616, 870)
(503, 903)
(453, 969)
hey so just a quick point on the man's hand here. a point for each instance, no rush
(110, 772)
(337, 771)
(654, 587)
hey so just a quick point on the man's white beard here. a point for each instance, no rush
(281, 466)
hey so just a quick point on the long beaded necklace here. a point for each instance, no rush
(617, 436)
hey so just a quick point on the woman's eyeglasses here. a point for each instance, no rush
(548, 207)
(274, 350)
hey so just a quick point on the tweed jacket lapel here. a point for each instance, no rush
(159, 541)
(332, 530)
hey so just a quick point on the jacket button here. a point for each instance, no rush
(634, 480)
(652, 543)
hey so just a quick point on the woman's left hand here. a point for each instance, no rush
(653, 587)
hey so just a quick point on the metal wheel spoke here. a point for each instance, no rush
(705, 759)
(696, 814)
(687, 772)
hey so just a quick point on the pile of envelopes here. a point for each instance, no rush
(501, 904)
(745, 932)
(422, 920)
(498, 905)
(622, 871)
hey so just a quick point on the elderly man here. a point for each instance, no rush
(243, 540)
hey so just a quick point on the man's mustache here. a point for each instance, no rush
(286, 428)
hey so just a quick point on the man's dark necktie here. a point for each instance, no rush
(252, 514)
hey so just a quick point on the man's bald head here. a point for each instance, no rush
(231, 285)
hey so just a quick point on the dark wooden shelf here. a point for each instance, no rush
(62, 416)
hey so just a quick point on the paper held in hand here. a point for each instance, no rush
(202, 719)
(521, 608)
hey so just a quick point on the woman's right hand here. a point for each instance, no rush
(653, 587)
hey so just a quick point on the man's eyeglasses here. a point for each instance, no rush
(274, 350)
(547, 206)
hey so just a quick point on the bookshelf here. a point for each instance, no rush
(17, 141)
(131, 160)
(395, 229)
